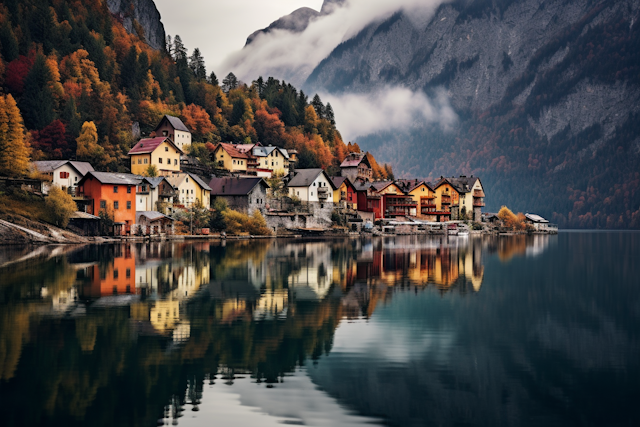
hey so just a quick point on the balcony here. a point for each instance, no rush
(446, 200)
(478, 193)
(477, 203)
(323, 192)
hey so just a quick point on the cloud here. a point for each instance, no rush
(388, 108)
(293, 56)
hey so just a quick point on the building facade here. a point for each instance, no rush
(159, 151)
(173, 128)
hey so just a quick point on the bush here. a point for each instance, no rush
(61, 206)
(238, 222)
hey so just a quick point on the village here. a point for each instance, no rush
(165, 184)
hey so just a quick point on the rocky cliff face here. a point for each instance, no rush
(140, 17)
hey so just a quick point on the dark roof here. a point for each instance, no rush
(462, 184)
(151, 215)
(354, 159)
(114, 178)
(155, 181)
(175, 123)
(409, 185)
(46, 166)
(230, 186)
(305, 177)
(381, 185)
(148, 145)
(338, 180)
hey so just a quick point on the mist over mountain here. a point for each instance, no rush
(545, 92)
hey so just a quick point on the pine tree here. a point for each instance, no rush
(213, 79)
(229, 82)
(318, 106)
(14, 153)
(9, 43)
(179, 50)
(37, 102)
(328, 111)
(196, 63)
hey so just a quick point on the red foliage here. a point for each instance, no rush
(269, 128)
(51, 140)
(16, 72)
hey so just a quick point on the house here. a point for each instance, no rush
(539, 223)
(241, 194)
(191, 189)
(272, 159)
(471, 197)
(159, 151)
(229, 157)
(356, 166)
(113, 194)
(423, 195)
(64, 173)
(311, 185)
(369, 201)
(395, 202)
(345, 192)
(172, 127)
(447, 199)
(152, 222)
(154, 194)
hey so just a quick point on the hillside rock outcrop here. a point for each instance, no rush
(140, 17)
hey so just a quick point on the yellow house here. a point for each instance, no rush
(191, 189)
(345, 192)
(274, 159)
(160, 151)
(471, 197)
(228, 157)
(447, 198)
(423, 195)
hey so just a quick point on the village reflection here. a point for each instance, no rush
(154, 317)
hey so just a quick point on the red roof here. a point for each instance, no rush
(233, 151)
(148, 145)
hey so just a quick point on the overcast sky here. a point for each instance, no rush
(220, 27)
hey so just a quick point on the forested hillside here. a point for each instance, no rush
(67, 62)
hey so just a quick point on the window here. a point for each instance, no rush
(312, 193)
(103, 204)
(116, 205)
(271, 163)
(139, 161)
(191, 191)
(166, 148)
(115, 273)
(165, 133)
(64, 174)
(145, 161)
(160, 160)
(128, 189)
(128, 273)
(175, 162)
(183, 191)
(128, 205)
(75, 179)
(187, 179)
(314, 184)
(169, 161)
(234, 162)
(115, 188)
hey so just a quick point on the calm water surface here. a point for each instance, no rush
(407, 331)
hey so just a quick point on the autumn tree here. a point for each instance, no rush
(87, 144)
(14, 152)
(310, 120)
(511, 220)
(151, 171)
(60, 206)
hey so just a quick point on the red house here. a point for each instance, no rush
(111, 193)
(345, 192)
(368, 199)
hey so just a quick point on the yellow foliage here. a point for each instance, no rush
(14, 151)
(511, 220)
(61, 206)
(238, 222)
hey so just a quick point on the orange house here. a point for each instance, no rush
(111, 193)
(447, 198)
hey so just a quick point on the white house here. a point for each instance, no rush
(151, 191)
(190, 189)
(173, 127)
(311, 185)
(63, 173)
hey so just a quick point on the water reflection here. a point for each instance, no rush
(345, 332)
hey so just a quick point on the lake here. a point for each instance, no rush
(405, 331)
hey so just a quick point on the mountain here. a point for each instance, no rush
(547, 96)
(142, 18)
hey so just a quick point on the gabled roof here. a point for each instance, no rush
(305, 177)
(463, 184)
(245, 148)
(155, 181)
(113, 178)
(232, 150)
(230, 186)
(175, 123)
(260, 151)
(354, 159)
(535, 218)
(47, 166)
(338, 180)
(176, 179)
(381, 185)
(148, 145)
(409, 185)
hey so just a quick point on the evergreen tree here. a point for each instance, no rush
(8, 42)
(196, 63)
(169, 45)
(260, 86)
(328, 111)
(41, 25)
(318, 106)
(14, 153)
(229, 82)
(179, 50)
(37, 102)
(129, 70)
(213, 79)
(302, 103)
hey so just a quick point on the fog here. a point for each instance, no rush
(293, 56)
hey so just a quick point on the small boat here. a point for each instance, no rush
(452, 230)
